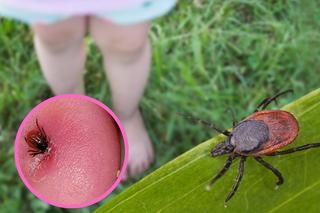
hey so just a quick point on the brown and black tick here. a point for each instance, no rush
(262, 133)
(37, 141)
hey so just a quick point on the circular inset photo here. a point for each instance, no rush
(71, 151)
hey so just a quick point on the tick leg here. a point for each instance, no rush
(268, 100)
(234, 122)
(238, 180)
(223, 170)
(44, 134)
(38, 125)
(270, 167)
(206, 123)
(34, 152)
(41, 129)
(296, 149)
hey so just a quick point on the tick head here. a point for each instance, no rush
(43, 145)
(222, 148)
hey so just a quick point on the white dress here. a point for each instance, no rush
(50, 11)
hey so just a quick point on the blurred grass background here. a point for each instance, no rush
(207, 56)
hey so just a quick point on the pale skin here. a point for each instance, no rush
(126, 52)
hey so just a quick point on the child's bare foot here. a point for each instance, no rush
(141, 153)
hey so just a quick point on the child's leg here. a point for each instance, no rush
(126, 52)
(61, 54)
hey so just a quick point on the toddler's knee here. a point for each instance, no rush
(122, 45)
(121, 40)
(59, 36)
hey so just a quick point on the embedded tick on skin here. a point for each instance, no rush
(262, 133)
(37, 141)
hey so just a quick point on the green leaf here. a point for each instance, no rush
(179, 186)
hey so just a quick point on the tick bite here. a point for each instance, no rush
(37, 140)
(262, 133)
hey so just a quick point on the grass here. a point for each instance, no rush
(207, 56)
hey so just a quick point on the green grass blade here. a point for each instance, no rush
(179, 186)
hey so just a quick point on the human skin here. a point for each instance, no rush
(84, 156)
(126, 56)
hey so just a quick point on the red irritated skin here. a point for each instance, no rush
(83, 155)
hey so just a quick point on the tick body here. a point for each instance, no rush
(262, 133)
(37, 140)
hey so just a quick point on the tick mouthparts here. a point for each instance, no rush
(215, 153)
(221, 149)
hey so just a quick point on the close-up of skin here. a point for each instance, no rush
(83, 157)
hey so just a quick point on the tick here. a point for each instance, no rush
(37, 140)
(262, 133)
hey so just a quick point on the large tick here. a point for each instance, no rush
(262, 133)
(37, 141)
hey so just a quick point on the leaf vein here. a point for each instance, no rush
(294, 197)
(164, 177)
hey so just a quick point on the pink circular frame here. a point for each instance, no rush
(125, 142)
